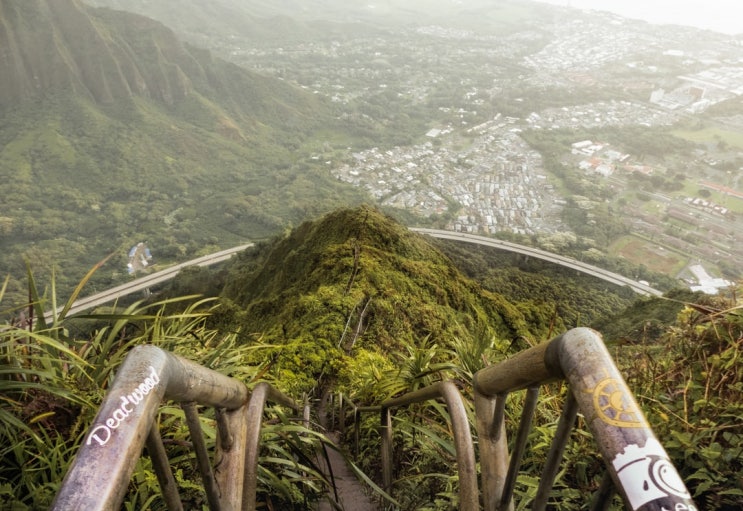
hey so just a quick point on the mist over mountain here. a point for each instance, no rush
(223, 17)
(112, 55)
(294, 20)
(242, 13)
(113, 130)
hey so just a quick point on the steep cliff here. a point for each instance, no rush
(50, 47)
(113, 130)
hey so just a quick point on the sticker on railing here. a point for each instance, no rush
(101, 434)
(614, 406)
(646, 474)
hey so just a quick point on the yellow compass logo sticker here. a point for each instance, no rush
(614, 407)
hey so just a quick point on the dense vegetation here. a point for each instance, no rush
(688, 380)
(357, 282)
(114, 132)
(574, 299)
(355, 302)
(52, 383)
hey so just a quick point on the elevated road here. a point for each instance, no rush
(109, 295)
(90, 302)
(568, 262)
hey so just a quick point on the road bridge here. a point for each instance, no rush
(152, 279)
(569, 262)
(140, 284)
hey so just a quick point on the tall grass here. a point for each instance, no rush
(688, 380)
(51, 382)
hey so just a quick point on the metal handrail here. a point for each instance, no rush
(98, 477)
(344, 402)
(637, 465)
(464, 447)
(636, 462)
(465, 451)
(262, 393)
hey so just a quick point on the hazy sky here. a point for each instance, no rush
(720, 15)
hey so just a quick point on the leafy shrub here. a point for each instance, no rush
(51, 382)
(690, 383)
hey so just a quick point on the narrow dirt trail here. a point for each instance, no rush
(352, 494)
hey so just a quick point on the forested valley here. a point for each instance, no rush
(306, 129)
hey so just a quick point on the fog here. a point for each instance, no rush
(586, 134)
(718, 15)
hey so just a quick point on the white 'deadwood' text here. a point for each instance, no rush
(101, 434)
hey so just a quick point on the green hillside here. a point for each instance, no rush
(114, 132)
(355, 302)
(358, 282)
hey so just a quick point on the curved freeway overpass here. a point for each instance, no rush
(152, 279)
(569, 262)
(109, 295)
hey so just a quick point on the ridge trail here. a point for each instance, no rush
(352, 494)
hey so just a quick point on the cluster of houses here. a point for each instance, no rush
(599, 158)
(601, 114)
(581, 45)
(496, 183)
(699, 91)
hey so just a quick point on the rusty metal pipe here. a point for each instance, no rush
(527, 416)
(493, 445)
(638, 464)
(162, 469)
(223, 429)
(523, 370)
(356, 433)
(465, 451)
(554, 456)
(229, 464)
(202, 456)
(468, 495)
(262, 393)
(385, 432)
(99, 476)
(341, 414)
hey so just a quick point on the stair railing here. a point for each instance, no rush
(126, 421)
(463, 445)
(343, 403)
(638, 468)
(637, 465)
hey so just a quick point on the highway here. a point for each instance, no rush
(568, 262)
(92, 301)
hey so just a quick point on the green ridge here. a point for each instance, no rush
(305, 294)
(115, 132)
